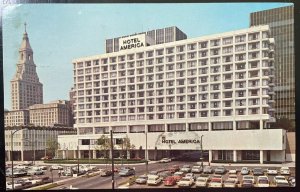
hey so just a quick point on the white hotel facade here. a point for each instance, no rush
(218, 89)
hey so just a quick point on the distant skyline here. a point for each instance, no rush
(59, 33)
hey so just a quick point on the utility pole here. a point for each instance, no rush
(146, 155)
(201, 153)
(112, 160)
(78, 158)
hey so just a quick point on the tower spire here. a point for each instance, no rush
(25, 24)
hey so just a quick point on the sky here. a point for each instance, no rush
(59, 33)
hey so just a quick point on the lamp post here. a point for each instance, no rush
(12, 158)
(112, 160)
(146, 155)
(201, 152)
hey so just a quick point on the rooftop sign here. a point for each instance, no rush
(132, 42)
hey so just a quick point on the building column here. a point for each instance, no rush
(261, 124)
(210, 156)
(22, 155)
(261, 157)
(74, 154)
(234, 156)
(166, 128)
(64, 154)
(186, 127)
(209, 126)
(79, 154)
(128, 154)
(94, 154)
(234, 125)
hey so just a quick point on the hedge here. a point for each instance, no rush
(52, 185)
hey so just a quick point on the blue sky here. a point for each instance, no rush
(59, 33)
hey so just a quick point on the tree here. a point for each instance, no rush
(284, 123)
(126, 144)
(52, 145)
(103, 144)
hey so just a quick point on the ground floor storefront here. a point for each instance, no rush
(266, 145)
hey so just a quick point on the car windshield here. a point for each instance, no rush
(247, 181)
(220, 168)
(185, 179)
(263, 181)
(257, 169)
(186, 166)
(196, 167)
(201, 179)
(229, 181)
(216, 181)
(279, 178)
(152, 178)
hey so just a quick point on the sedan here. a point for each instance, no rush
(35, 172)
(292, 181)
(127, 172)
(208, 169)
(247, 183)
(173, 168)
(249, 177)
(202, 181)
(165, 160)
(284, 171)
(56, 167)
(191, 175)
(105, 172)
(196, 169)
(215, 182)
(178, 175)
(142, 179)
(272, 171)
(186, 168)
(244, 171)
(258, 171)
(164, 175)
(263, 181)
(170, 181)
(185, 182)
(230, 183)
(220, 170)
(16, 185)
(232, 171)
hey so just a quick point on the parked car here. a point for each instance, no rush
(43, 167)
(216, 182)
(249, 177)
(285, 171)
(263, 181)
(173, 168)
(272, 171)
(178, 175)
(21, 166)
(185, 182)
(292, 181)
(165, 160)
(163, 175)
(35, 171)
(27, 163)
(16, 185)
(186, 168)
(169, 181)
(230, 183)
(127, 172)
(33, 180)
(220, 170)
(196, 169)
(105, 172)
(17, 173)
(245, 171)
(153, 180)
(232, 171)
(278, 178)
(233, 177)
(46, 179)
(208, 169)
(202, 180)
(258, 171)
(142, 179)
(56, 167)
(246, 183)
(153, 173)
(191, 175)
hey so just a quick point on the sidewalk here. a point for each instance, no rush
(286, 164)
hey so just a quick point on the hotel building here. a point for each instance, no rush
(214, 92)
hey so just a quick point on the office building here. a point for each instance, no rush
(51, 114)
(215, 91)
(16, 118)
(281, 22)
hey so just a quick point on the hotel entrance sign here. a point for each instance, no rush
(132, 42)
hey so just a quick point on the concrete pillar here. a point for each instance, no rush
(64, 154)
(128, 154)
(210, 155)
(75, 154)
(22, 155)
(186, 127)
(209, 126)
(234, 125)
(94, 154)
(234, 156)
(79, 154)
(261, 124)
(166, 128)
(261, 157)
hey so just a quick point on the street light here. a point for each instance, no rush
(201, 152)
(146, 155)
(12, 158)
